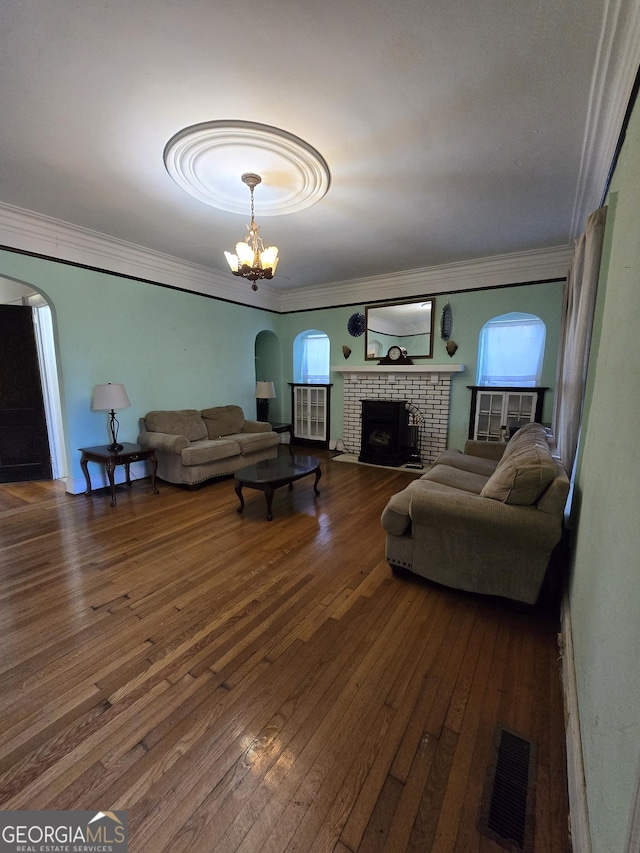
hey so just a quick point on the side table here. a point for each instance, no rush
(280, 428)
(129, 453)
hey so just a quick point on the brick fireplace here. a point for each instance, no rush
(427, 388)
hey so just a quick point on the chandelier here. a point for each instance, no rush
(251, 259)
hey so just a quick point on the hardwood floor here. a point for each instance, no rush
(239, 684)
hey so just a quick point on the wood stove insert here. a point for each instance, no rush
(385, 436)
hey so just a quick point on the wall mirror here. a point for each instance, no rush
(407, 324)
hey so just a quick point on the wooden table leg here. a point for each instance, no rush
(110, 469)
(154, 468)
(85, 469)
(318, 474)
(238, 488)
(268, 493)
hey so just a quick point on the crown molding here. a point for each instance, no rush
(32, 232)
(616, 66)
(496, 271)
(614, 74)
(42, 235)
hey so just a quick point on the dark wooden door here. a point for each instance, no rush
(24, 444)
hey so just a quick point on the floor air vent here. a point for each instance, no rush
(507, 815)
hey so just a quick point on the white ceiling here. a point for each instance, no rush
(453, 129)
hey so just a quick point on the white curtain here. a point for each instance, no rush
(511, 350)
(575, 336)
(315, 359)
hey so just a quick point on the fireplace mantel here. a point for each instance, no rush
(397, 369)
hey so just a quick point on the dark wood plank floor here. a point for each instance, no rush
(238, 684)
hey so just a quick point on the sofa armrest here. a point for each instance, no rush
(163, 441)
(467, 514)
(485, 449)
(256, 426)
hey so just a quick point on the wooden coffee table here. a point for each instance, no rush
(270, 474)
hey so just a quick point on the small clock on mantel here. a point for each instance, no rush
(396, 355)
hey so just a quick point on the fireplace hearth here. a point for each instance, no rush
(386, 435)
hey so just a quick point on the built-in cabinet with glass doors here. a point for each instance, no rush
(495, 412)
(310, 408)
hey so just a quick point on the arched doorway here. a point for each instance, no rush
(268, 369)
(32, 307)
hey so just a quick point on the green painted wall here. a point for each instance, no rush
(333, 322)
(471, 310)
(605, 582)
(170, 349)
(173, 349)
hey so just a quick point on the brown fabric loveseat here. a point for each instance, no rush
(192, 446)
(486, 520)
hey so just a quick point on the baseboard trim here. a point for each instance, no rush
(578, 806)
(99, 479)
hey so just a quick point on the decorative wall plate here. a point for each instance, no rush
(356, 325)
(446, 322)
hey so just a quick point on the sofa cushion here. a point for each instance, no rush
(163, 441)
(526, 436)
(223, 420)
(457, 478)
(256, 426)
(185, 422)
(523, 476)
(201, 452)
(252, 442)
(397, 516)
(467, 462)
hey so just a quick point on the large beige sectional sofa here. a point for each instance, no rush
(486, 520)
(193, 445)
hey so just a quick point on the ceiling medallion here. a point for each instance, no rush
(208, 159)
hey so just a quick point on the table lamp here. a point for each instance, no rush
(265, 391)
(110, 397)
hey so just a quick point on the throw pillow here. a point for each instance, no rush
(185, 422)
(526, 436)
(522, 478)
(223, 420)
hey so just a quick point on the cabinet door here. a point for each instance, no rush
(489, 408)
(310, 417)
(317, 418)
(495, 410)
(300, 412)
(519, 408)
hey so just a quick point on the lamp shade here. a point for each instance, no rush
(265, 390)
(110, 396)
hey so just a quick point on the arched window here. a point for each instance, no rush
(511, 350)
(311, 357)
